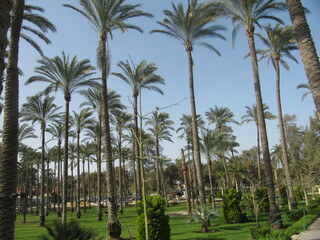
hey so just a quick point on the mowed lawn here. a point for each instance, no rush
(181, 227)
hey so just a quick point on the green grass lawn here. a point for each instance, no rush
(181, 228)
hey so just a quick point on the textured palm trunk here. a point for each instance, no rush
(59, 179)
(113, 226)
(185, 180)
(120, 175)
(37, 187)
(8, 162)
(226, 172)
(258, 155)
(65, 167)
(307, 48)
(89, 185)
(84, 187)
(5, 8)
(194, 176)
(78, 175)
(99, 218)
(211, 183)
(158, 166)
(42, 217)
(195, 132)
(136, 145)
(48, 189)
(72, 186)
(292, 198)
(274, 214)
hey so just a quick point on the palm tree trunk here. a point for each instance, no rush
(65, 167)
(72, 186)
(89, 185)
(37, 189)
(185, 180)
(113, 226)
(48, 190)
(274, 214)
(195, 132)
(84, 187)
(194, 176)
(120, 175)
(225, 167)
(99, 172)
(292, 199)
(5, 9)
(307, 48)
(42, 216)
(136, 145)
(59, 179)
(258, 155)
(211, 183)
(78, 176)
(8, 163)
(157, 166)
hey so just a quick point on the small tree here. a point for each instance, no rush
(159, 227)
(231, 206)
(204, 214)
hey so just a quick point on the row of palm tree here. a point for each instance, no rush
(190, 27)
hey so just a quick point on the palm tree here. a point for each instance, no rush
(160, 126)
(56, 130)
(94, 101)
(8, 163)
(248, 14)
(121, 121)
(42, 110)
(221, 117)
(139, 77)
(186, 127)
(107, 16)
(80, 121)
(190, 27)
(252, 116)
(307, 48)
(279, 44)
(68, 76)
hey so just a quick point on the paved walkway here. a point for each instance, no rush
(312, 233)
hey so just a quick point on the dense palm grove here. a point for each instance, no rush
(66, 169)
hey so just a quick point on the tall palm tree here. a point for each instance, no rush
(94, 101)
(8, 163)
(139, 77)
(107, 16)
(279, 44)
(248, 14)
(40, 109)
(160, 126)
(56, 130)
(80, 121)
(307, 48)
(221, 117)
(121, 121)
(190, 27)
(186, 127)
(68, 76)
(252, 116)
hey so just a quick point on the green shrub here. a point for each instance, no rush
(283, 196)
(311, 206)
(231, 207)
(258, 232)
(159, 228)
(275, 235)
(297, 193)
(293, 216)
(70, 231)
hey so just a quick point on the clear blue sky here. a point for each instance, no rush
(224, 81)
